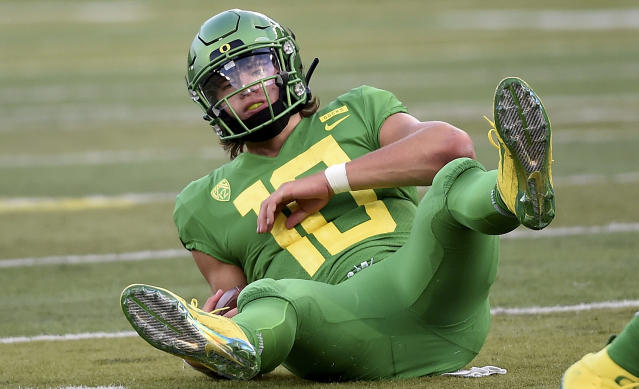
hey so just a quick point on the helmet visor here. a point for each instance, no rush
(240, 73)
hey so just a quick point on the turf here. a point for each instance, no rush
(92, 102)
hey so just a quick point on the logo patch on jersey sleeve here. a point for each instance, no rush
(335, 112)
(342, 109)
(222, 191)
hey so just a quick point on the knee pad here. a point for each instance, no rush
(446, 176)
(266, 287)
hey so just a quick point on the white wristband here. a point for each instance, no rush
(337, 179)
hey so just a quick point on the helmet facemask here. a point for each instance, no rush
(243, 95)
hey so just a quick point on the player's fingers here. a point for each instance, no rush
(263, 216)
(271, 206)
(269, 210)
(211, 302)
(271, 213)
(231, 313)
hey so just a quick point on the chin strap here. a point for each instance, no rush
(267, 132)
(307, 78)
(311, 69)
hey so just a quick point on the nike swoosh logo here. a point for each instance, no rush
(621, 378)
(329, 127)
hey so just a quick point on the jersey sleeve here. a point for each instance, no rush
(193, 231)
(376, 106)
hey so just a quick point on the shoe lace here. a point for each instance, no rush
(194, 304)
(492, 133)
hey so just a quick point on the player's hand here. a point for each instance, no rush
(311, 194)
(211, 303)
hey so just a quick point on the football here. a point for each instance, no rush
(228, 299)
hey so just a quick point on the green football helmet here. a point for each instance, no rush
(246, 55)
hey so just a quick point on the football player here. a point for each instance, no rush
(347, 274)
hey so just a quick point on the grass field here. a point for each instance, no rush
(97, 135)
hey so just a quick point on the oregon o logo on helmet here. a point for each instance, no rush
(225, 47)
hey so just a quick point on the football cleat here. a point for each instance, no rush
(522, 129)
(204, 339)
(598, 371)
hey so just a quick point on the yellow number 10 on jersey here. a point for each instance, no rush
(334, 241)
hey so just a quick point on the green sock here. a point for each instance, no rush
(498, 202)
(270, 324)
(471, 201)
(624, 350)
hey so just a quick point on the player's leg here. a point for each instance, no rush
(320, 331)
(355, 330)
(270, 324)
(449, 260)
(446, 268)
(616, 366)
(336, 335)
(471, 202)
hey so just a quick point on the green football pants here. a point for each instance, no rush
(422, 310)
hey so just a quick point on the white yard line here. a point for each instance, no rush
(106, 157)
(93, 387)
(68, 117)
(557, 232)
(566, 308)
(612, 228)
(42, 204)
(590, 179)
(98, 201)
(81, 336)
(109, 157)
(494, 311)
(94, 258)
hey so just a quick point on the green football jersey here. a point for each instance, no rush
(217, 214)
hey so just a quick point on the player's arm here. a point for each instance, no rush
(220, 276)
(412, 153)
